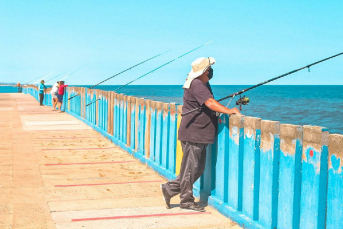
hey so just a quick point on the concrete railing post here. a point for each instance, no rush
(179, 153)
(251, 167)
(335, 183)
(159, 126)
(165, 136)
(235, 161)
(269, 173)
(314, 177)
(153, 130)
(291, 139)
(172, 138)
(147, 128)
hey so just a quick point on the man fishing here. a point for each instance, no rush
(196, 131)
(41, 89)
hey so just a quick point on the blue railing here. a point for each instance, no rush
(261, 174)
(9, 89)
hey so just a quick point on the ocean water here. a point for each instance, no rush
(300, 105)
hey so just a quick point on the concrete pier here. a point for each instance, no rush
(57, 172)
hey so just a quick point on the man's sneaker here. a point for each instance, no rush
(166, 196)
(193, 207)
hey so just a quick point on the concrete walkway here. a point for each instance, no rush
(56, 172)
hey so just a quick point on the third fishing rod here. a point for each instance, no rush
(245, 100)
(123, 72)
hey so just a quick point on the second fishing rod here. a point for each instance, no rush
(245, 100)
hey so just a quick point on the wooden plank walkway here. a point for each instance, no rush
(56, 172)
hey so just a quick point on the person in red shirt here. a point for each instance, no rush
(60, 95)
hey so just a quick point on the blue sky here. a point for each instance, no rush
(252, 40)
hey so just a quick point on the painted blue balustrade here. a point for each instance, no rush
(172, 139)
(132, 104)
(9, 89)
(47, 99)
(65, 106)
(158, 136)
(235, 162)
(314, 177)
(162, 140)
(251, 167)
(222, 162)
(269, 173)
(165, 136)
(121, 121)
(147, 129)
(121, 118)
(79, 98)
(99, 109)
(153, 122)
(259, 173)
(128, 123)
(92, 106)
(140, 134)
(335, 183)
(125, 105)
(204, 187)
(104, 113)
(289, 176)
(109, 110)
(116, 118)
(87, 110)
(222, 178)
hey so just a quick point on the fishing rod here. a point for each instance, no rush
(55, 77)
(123, 71)
(64, 77)
(67, 74)
(43, 78)
(155, 69)
(23, 79)
(245, 100)
(33, 79)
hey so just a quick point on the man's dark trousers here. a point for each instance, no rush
(192, 167)
(41, 98)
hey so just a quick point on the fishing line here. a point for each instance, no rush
(162, 66)
(55, 77)
(43, 78)
(34, 79)
(155, 69)
(245, 100)
(123, 71)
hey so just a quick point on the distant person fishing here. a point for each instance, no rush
(42, 90)
(54, 95)
(60, 95)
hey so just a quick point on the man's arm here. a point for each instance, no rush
(215, 106)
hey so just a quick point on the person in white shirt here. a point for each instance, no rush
(54, 92)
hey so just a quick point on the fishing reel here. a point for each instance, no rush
(242, 101)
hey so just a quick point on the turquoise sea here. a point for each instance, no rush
(301, 105)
